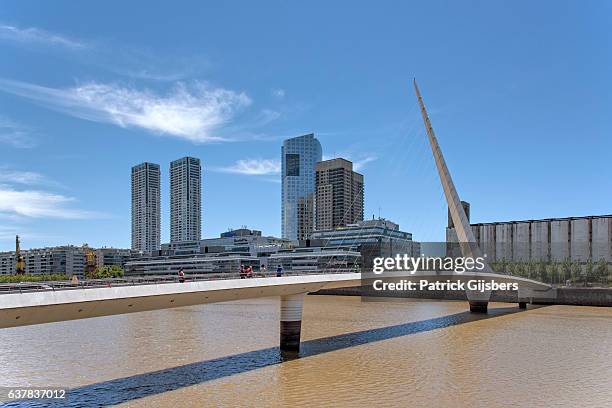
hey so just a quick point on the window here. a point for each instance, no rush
(292, 164)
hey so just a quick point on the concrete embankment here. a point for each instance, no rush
(564, 296)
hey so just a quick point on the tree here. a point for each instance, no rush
(602, 271)
(504, 265)
(566, 266)
(541, 266)
(532, 269)
(576, 268)
(589, 271)
(106, 272)
(553, 270)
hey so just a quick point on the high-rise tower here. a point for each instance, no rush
(339, 194)
(299, 156)
(185, 200)
(145, 207)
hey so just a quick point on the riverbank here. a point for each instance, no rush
(564, 296)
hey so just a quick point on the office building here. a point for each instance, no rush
(339, 194)
(220, 263)
(371, 238)
(113, 256)
(145, 207)
(316, 259)
(185, 200)
(242, 240)
(299, 156)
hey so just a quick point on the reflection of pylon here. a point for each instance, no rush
(19, 260)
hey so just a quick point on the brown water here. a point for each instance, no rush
(393, 353)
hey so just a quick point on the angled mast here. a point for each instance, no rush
(460, 220)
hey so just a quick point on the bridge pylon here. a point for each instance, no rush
(291, 321)
(467, 241)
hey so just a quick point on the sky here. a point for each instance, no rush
(519, 94)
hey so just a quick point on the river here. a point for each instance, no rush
(397, 352)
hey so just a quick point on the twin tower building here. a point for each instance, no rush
(185, 203)
(316, 195)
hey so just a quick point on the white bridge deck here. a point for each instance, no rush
(21, 309)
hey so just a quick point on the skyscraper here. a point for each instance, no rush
(185, 200)
(299, 156)
(339, 194)
(145, 207)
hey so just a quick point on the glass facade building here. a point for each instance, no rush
(299, 156)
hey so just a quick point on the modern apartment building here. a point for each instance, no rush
(145, 207)
(339, 194)
(65, 259)
(185, 200)
(299, 156)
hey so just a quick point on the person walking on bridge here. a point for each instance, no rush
(181, 275)
(279, 271)
(242, 272)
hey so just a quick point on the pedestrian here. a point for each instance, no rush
(279, 271)
(242, 272)
(181, 275)
(262, 271)
(249, 271)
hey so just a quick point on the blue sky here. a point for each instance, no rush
(519, 94)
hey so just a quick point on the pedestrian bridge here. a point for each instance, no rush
(61, 303)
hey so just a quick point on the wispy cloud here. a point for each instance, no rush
(253, 167)
(8, 175)
(7, 234)
(278, 93)
(191, 111)
(39, 204)
(358, 165)
(38, 36)
(14, 134)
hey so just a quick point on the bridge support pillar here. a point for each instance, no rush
(291, 321)
(479, 301)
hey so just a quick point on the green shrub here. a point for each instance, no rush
(106, 272)
(33, 278)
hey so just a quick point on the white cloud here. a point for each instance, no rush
(39, 204)
(21, 177)
(254, 167)
(279, 93)
(189, 111)
(36, 35)
(360, 164)
(14, 134)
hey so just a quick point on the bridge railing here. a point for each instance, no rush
(28, 287)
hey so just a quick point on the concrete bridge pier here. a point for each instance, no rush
(291, 321)
(479, 301)
(530, 295)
